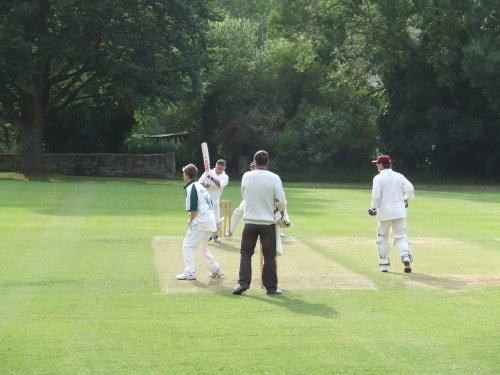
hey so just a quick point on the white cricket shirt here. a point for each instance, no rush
(390, 189)
(197, 199)
(214, 190)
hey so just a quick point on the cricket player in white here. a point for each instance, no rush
(390, 194)
(200, 226)
(238, 212)
(215, 181)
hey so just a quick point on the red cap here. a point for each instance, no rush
(383, 159)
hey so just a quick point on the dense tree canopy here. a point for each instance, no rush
(56, 53)
(319, 83)
(438, 63)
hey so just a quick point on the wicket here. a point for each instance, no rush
(225, 213)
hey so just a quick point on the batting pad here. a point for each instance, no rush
(299, 268)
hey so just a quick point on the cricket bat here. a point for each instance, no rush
(206, 156)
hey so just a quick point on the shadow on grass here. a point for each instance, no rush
(230, 246)
(61, 179)
(37, 283)
(450, 283)
(296, 305)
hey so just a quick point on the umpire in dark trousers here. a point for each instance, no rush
(262, 192)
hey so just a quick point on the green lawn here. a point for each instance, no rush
(79, 292)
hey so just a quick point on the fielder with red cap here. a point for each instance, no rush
(390, 194)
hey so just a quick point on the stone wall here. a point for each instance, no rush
(105, 165)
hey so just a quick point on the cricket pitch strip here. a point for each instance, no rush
(299, 268)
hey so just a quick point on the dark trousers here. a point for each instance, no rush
(267, 235)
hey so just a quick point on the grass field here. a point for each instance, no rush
(87, 285)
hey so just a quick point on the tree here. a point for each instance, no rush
(9, 139)
(252, 10)
(438, 64)
(330, 105)
(447, 74)
(54, 53)
(228, 85)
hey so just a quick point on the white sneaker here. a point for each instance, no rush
(229, 233)
(186, 276)
(217, 239)
(384, 267)
(217, 274)
(407, 263)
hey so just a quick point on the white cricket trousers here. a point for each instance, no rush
(194, 240)
(216, 207)
(236, 217)
(398, 228)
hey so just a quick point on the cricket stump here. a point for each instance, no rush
(226, 212)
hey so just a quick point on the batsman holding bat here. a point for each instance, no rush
(262, 192)
(214, 180)
(390, 194)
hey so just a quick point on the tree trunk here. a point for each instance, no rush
(34, 106)
(31, 138)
